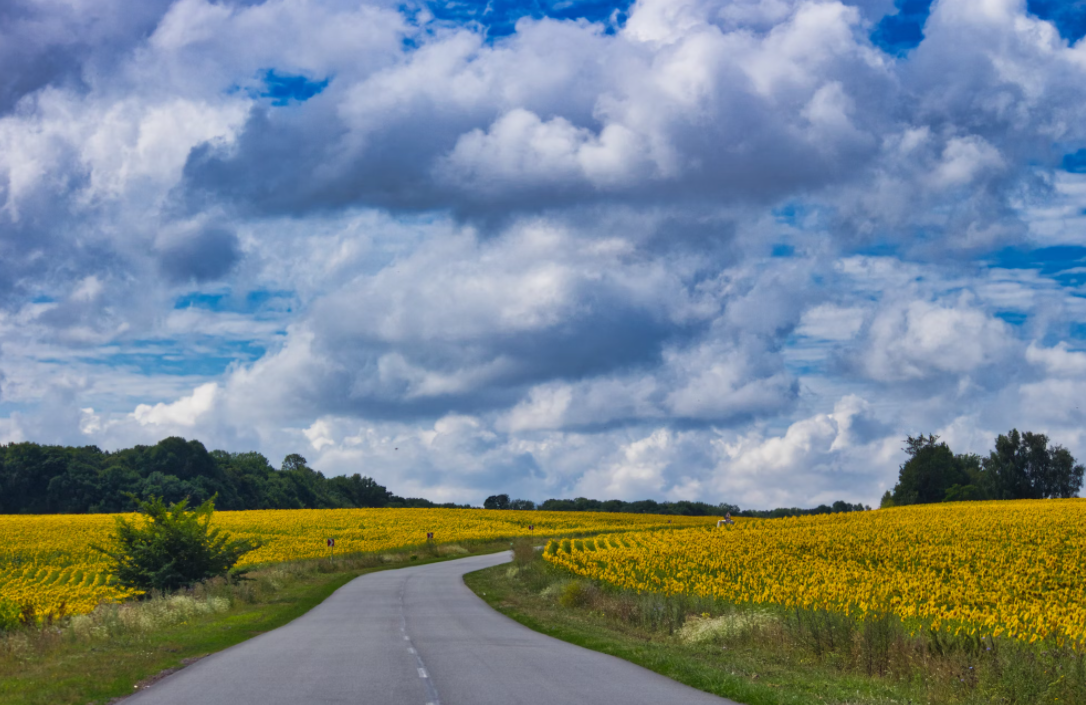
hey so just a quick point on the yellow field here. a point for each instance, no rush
(46, 560)
(989, 568)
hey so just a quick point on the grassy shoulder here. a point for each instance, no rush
(763, 657)
(120, 648)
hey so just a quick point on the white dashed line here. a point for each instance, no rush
(431, 692)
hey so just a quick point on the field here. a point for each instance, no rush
(984, 569)
(46, 560)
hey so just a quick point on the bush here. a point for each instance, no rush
(174, 548)
(575, 594)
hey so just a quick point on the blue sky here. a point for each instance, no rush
(682, 249)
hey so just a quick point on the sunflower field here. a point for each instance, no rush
(1014, 568)
(46, 560)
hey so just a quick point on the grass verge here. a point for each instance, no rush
(778, 657)
(114, 651)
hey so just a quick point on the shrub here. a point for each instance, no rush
(174, 548)
(575, 593)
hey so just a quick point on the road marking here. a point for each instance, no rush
(431, 691)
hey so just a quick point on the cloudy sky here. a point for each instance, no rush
(728, 250)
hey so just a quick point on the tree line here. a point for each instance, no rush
(649, 506)
(1021, 466)
(40, 479)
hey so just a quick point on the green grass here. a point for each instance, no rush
(55, 665)
(771, 657)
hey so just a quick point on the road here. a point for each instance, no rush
(413, 636)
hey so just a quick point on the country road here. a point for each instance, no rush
(413, 636)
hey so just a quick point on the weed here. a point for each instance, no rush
(576, 593)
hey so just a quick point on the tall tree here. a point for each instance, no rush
(1023, 466)
(931, 470)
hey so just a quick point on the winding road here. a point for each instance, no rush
(413, 636)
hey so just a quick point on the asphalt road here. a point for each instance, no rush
(413, 636)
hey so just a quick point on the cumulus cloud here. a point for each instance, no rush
(184, 412)
(920, 339)
(731, 251)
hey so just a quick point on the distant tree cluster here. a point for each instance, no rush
(37, 479)
(502, 501)
(649, 506)
(1021, 466)
(835, 508)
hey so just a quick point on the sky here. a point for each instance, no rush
(729, 251)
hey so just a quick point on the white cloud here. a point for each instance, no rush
(918, 339)
(319, 434)
(1057, 360)
(184, 412)
(638, 472)
(831, 322)
(963, 159)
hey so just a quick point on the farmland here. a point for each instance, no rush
(47, 561)
(1013, 569)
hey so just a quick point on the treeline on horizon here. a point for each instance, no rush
(45, 479)
(649, 506)
(38, 479)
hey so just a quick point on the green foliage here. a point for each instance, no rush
(9, 615)
(173, 548)
(502, 501)
(930, 472)
(1023, 466)
(37, 479)
(963, 493)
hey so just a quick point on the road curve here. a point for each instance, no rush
(413, 636)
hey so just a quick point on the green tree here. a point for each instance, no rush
(1024, 466)
(360, 491)
(496, 501)
(929, 473)
(174, 547)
